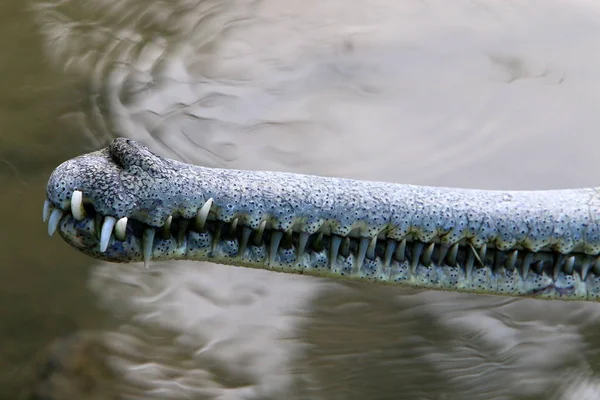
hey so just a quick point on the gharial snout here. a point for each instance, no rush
(126, 204)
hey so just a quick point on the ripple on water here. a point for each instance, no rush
(478, 94)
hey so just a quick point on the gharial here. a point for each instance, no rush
(126, 204)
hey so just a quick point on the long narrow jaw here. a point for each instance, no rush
(125, 204)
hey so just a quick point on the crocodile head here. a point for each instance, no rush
(126, 204)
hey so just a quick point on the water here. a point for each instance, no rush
(483, 94)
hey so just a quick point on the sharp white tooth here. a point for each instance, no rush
(275, 240)
(216, 238)
(469, 264)
(362, 251)
(246, 232)
(585, 267)
(47, 210)
(401, 251)
(477, 255)
(77, 205)
(538, 266)
(121, 229)
(416, 254)
(107, 229)
(482, 253)
(371, 248)
(234, 225)
(257, 240)
(557, 265)
(202, 214)
(427, 254)
(452, 255)
(302, 243)
(569, 265)
(148, 242)
(443, 252)
(389, 251)
(166, 228)
(54, 220)
(527, 260)
(336, 241)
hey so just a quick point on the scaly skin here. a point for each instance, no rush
(537, 243)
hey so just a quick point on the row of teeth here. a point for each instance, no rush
(110, 224)
(413, 251)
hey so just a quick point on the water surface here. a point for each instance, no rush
(482, 94)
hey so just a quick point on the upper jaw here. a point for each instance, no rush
(118, 181)
(115, 195)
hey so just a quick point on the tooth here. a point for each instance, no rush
(443, 252)
(371, 248)
(47, 210)
(511, 260)
(217, 237)
(427, 254)
(335, 247)
(257, 239)
(234, 225)
(401, 251)
(569, 265)
(181, 231)
(166, 228)
(121, 229)
(389, 251)
(54, 220)
(452, 255)
(302, 244)
(77, 205)
(107, 229)
(362, 251)
(469, 263)
(202, 214)
(585, 267)
(246, 232)
(539, 267)
(416, 254)
(558, 262)
(148, 242)
(526, 264)
(482, 253)
(275, 240)
(476, 254)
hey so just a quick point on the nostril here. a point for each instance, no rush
(126, 153)
(118, 150)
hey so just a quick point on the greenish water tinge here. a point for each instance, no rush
(43, 293)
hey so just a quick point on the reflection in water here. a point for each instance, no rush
(477, 94)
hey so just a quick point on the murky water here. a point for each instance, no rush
(484, 94)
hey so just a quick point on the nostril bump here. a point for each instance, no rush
(126, 153)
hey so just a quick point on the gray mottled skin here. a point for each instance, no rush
(127, 180)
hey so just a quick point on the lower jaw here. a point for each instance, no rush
(212, 246)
